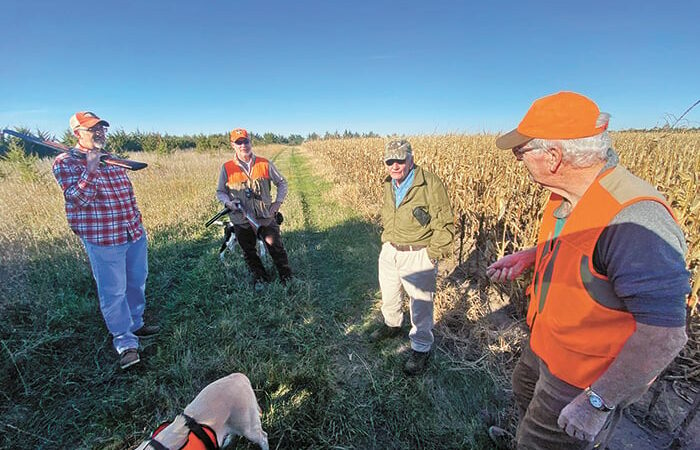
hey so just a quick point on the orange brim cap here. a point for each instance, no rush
(85, 119)
(512, 139)
(239, 133)
(564, 115)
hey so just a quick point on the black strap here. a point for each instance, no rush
(200, 433)
(157, 445)
(256, 196)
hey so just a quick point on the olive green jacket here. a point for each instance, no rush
(402, 227)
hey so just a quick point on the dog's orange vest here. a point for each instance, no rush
(194, 442)
(578, 325)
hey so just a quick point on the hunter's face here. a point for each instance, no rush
(244, 151)
(93, 138)
(398, 168)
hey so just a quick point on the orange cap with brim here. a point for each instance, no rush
(239, 133)
(85, 119)
(564, 115)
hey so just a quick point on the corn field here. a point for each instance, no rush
(497, 208)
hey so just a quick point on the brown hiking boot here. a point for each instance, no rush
(416, 363)
(147, 331)
(384, 332)
(128, 358)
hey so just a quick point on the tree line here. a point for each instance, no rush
(122, 142)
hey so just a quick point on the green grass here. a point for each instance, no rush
(318, 381)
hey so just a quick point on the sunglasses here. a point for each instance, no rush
(391, 162)
(95, 129)
(242, 141)
(520, 151)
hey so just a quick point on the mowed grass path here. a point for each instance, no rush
(318, 381)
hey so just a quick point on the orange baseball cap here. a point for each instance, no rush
(564, 115)
(84, 120)
(239, 133)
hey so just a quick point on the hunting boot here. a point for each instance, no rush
(384, 332)
(416, 363)
(128, 358)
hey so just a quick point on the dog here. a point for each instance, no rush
(224, 408)
(229, 241)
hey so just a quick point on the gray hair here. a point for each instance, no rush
(582, 152)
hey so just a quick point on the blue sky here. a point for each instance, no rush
(411, 67)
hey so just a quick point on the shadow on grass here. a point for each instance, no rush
(303, 347)
(482, 328)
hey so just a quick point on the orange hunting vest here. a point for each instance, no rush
(257, 185)
(236, 176)
(578, 325)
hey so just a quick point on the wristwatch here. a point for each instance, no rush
(597, 401)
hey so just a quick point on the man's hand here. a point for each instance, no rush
(275, 207)
(233, 205)
(581, 420)
(512, 266)
(93, 160)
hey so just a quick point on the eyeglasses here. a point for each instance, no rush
(95, 129)
(391, 162)
(242, 141)
(520, 151)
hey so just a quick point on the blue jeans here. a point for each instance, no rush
(120, 272)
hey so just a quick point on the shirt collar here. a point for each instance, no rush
(409, 177)
(246, 164)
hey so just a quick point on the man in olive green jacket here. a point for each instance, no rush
(418, 231)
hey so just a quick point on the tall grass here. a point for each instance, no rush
(319, 382)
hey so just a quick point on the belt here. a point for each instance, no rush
(407, 248)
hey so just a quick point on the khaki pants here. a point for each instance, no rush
(540, 397)
(413, 271)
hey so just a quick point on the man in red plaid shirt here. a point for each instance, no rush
(101, 209)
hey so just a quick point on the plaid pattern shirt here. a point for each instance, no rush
(100, 207)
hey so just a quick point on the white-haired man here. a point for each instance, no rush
(418, 231)
(101, 209)
(608, 295)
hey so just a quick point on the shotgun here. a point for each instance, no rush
(218, 216)
(253, 223)
(56, 147)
